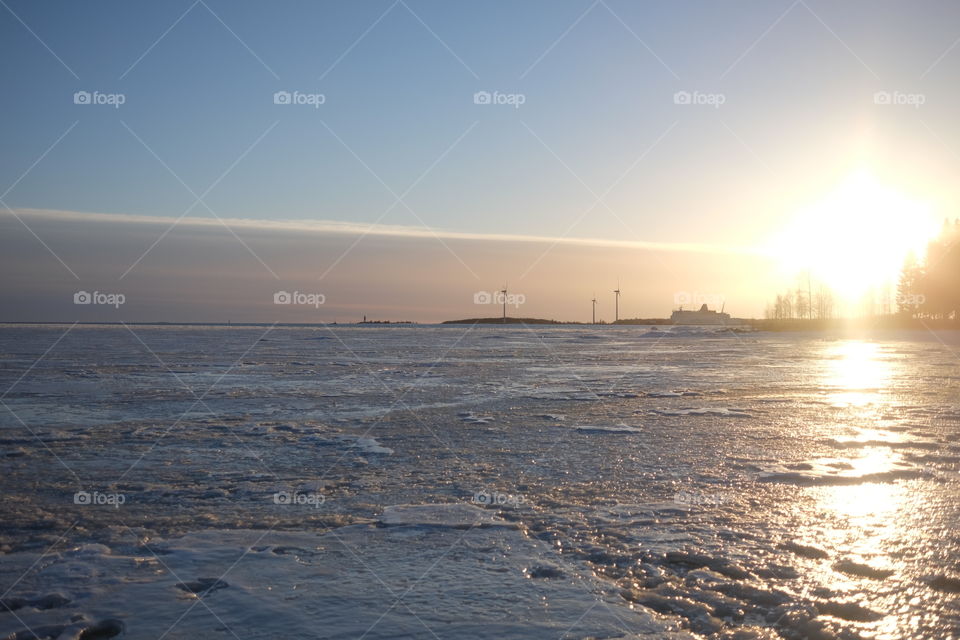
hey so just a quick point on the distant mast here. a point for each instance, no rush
(616, 307)
(594, 301)
(503, 292)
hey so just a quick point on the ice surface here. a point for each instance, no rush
(505, 481)
(349, 582)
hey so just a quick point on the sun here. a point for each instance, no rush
(854, 240)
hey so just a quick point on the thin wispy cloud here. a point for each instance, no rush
(321, 226)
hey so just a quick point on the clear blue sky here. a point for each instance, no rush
(399, 98)
(598, 81)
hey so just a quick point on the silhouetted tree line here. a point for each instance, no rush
(931, 288)
(805, 302)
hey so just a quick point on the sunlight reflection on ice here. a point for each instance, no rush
(856, 374)
(865, 526)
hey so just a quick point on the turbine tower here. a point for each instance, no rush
(503, 292)
(616, 312)
(594, 301)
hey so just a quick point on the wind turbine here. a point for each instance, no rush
(594, 301)
(616, 313)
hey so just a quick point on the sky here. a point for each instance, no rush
(399, 158)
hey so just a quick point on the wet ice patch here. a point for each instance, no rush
(862, 570)
(560, 393)
(551, 416)
(892, 444)
(79, 628)
(544, 571)
(646, 510)
(673, 394)
(704, 411)
(368, 446)
(616, 428)
(202, 587)
(946, 583)
(455, 515)
(851, 611)
(835, 473)
(471, 418)
(41, 603)
(618, 394)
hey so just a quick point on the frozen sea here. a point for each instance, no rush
(477, 482)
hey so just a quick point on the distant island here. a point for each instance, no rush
(703, 316)
(507, 320)
(892, 321)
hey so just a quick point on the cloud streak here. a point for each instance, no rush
(359, 228)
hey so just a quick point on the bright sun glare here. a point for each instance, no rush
(856, 238)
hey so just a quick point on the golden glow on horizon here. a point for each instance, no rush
(856, 238)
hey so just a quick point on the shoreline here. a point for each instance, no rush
(773, 326)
